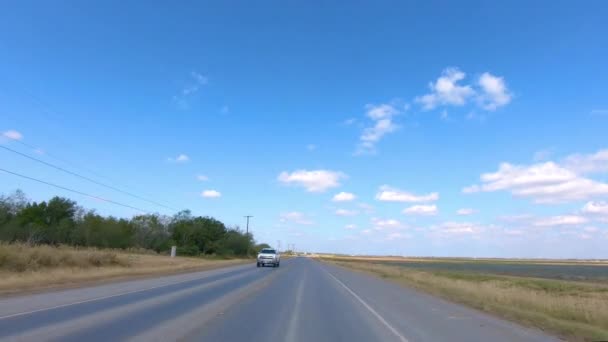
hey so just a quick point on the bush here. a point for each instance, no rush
(22, 258)
(60, 221)
(190, 250)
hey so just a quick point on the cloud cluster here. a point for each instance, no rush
(12, 134)
(490, 91)
(546, 182)
(454, 229)
(596, 210)
(388, 194)
(494, 92)
(346, 212)
(312, 181)
(182, 158)
(588, 163)
(561, 220)
(382, 224)
(211, 194)
(343, 197)
(466, 211)
(382, 124)
(421, 209)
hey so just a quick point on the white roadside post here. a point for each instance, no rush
(173, 250)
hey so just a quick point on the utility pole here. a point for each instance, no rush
(278, 245)
(248, 216)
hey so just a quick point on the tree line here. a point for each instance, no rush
(61, 221)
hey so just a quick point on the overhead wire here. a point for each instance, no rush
(84, 177)
(48, 110)
(74, 191)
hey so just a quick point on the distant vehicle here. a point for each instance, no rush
(269, 256)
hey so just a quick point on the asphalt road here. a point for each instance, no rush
(303, 300)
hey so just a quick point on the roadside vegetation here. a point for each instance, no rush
(60, 221)
(25, 268)
(58, 243)
(575, 310)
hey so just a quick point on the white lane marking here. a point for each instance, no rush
(295, 316)
(380, 318)
(99, 298)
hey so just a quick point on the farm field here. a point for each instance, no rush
(567, 298)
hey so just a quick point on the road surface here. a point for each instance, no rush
(303, 300)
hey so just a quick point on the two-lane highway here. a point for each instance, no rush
(303, 300)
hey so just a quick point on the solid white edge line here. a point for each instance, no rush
(98, 298)
(376, 314)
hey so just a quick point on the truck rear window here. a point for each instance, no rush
(268, 251)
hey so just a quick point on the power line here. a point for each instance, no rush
(74, 191)
(48, 110)
(84, 177)
(46, 153)
(36, 149)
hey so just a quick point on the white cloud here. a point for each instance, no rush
(202, 178)
(562, 220)
(490, 91)
(421, 210)
(596, 208)
(449, 229)
(494, 92)
(447, 91)
(311, 147)
(343, 197)
(350, 226)
(346, 212)
(225, 110)
(312, 181)
(444, 115)
(366, 231)
(182, 158)
(465, 211)
(545, 183)
(382, 111)
(295, 217)
(389, 194)
(382, 224)
(382, 118)
(191, 88)
(12, 134)
(588, 163)
(211, 194)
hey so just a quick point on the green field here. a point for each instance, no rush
(563, 271)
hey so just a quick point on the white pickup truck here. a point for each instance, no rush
(269, 256)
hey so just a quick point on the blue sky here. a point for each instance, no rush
(409, 112)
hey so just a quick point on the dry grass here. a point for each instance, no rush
(594, 262)
(26, 268)
(574, 310)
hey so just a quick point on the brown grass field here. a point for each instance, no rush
(26, 268)
(574, 310)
